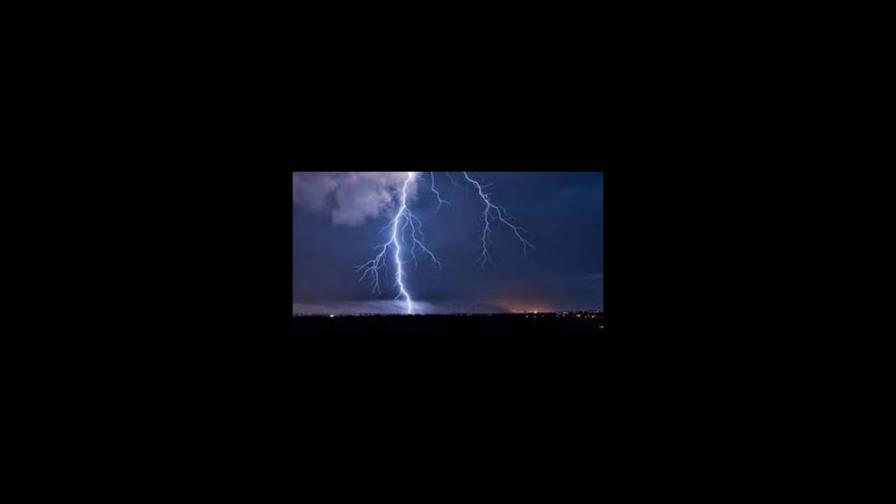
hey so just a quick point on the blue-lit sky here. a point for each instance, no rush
(338, 219)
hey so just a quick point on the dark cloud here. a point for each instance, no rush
(349, 198)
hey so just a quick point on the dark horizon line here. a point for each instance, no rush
(443, 314)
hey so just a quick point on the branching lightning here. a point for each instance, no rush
(404, 219)
(432, 185)
(494, 212)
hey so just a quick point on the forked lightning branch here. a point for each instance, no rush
(406, 237)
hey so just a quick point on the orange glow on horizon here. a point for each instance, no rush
(529, 309)
(526, 303)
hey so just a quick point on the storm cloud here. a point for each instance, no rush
(349, 198)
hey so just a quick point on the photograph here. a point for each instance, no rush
(448, 253)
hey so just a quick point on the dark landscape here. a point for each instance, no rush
(489, 326)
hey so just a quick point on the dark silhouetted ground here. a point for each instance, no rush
(501, 326)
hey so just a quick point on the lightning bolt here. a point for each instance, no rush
(404, 219)
(494, 212)
(399, 224)
(432, 185)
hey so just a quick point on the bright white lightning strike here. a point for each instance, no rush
(404, 218)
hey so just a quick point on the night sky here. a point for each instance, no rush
(338, 219)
